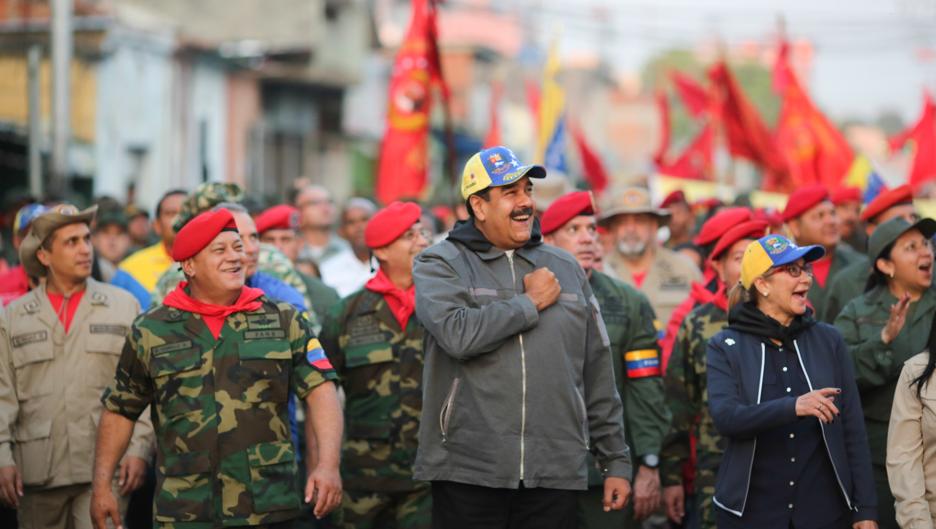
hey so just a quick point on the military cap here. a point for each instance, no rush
(205, 197)
(721, 222)
(887, 233)
(389, 223)
(200, 231)
(845, 195)
(886, 200)
(752, 229)
(281, 217)
(675, 197)
(631, 200)
(803, 200)
(565, 208)
(43, 226)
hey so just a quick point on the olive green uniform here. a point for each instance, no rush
(380, 366)
(629, 320)
(224, 455)
(842, 257)
(687, 398)
(877, 368)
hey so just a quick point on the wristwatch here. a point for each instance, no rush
(650, 461)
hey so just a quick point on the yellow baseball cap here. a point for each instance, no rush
(494, 167)
(773, 250)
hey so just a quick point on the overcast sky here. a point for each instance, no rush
(867, 52)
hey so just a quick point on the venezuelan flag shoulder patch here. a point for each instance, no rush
(642, 363)
(315, 355)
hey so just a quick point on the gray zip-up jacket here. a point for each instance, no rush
(511, 394)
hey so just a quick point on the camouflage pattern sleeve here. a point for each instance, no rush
(330, 336)
(645, 413)
(311, 367)
(676, 444)
(132, 389)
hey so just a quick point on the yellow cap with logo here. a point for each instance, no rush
(494, 167)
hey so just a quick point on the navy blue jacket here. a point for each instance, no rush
(736, 363)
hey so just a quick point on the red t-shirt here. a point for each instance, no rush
(65, 316)
(639, 278)
(821, 270)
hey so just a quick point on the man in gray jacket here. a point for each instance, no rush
(518, 380)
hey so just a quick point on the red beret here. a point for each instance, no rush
(200, 231)
(752, 229)
(565, 208)
(389, 223)
(803, 200)
(721, 222)
(676, 197)
(281, 217)
(888, 199)
(844, 195)
(707, 203)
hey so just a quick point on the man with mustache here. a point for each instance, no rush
(570, 224)
(218, 361)
(638, 259)
(518, 381)
(59, 346)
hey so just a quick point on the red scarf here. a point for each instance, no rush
(702, 295)
(213, 315)
(67, 314)
(402, 303)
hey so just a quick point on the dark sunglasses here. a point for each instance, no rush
(794, 269)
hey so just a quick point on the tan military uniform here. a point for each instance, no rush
(50, 389)
(668, 282)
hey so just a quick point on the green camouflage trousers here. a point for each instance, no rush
(387, 510)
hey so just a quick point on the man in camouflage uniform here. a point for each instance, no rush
(218, 360)
(570, 224)
(686, 393)
(376, 345)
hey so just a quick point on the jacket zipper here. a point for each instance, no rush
(822, 429)
(445, 414)
(523, 378)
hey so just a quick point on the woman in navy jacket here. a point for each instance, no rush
(782, 393)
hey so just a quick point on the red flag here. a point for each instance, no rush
(533, 97)
(594, 170)
(814, 150)
(745, 131)
(692, 94)
(493, 138)
(923, 136)
(663, 106)
(695, 162)
(404, 150)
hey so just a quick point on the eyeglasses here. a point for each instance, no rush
(793, 269)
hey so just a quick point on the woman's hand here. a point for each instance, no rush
(818, 403)
(896, 320)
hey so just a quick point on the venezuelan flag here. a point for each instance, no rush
(862, 175)
(551, 139)
(642, 363)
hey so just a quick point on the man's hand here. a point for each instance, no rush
(646, 492)
(104, 507)
(11, 486)
(541, 287)
(674, 499)
(616, 491)
(132, 473)
(324, 488)
(865, 524)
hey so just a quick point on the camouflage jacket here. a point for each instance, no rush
(629, 320)
(687, 398)
(224, 455)
(271, 261)
(380, 368)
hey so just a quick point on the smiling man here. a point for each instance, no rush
(59, 345)
(518, 381)
(218, 361)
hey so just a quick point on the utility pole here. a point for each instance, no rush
(61, 92)
(34, 58)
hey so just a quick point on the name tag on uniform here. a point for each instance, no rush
(106, 328)
(161, 350)
(270, 334)
(30, 337)
(364, 330)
